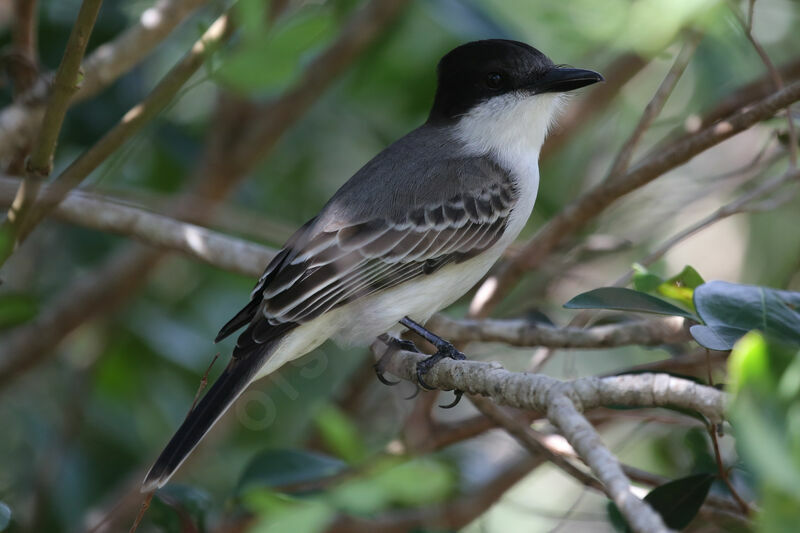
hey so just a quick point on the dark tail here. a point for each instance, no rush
(234, 379)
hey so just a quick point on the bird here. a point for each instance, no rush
(407, 235)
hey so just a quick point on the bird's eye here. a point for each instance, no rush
(494, 80)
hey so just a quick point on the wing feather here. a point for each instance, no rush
(327, 268)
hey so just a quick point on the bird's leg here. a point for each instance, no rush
(444, 350)
(394, 344)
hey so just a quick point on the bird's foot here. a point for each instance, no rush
(394, 344)
(444, 350)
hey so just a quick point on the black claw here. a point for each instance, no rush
(406, 345)
(421, 381)
(379, 372)
(458, 394)
(414, 394)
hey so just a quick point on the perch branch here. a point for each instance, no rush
(564, 401)
(521, 332)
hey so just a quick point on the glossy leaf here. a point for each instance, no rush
(730, 310)
(280, 468)
(176, 508)
(621, 299)
(5, 516)
(678, 501)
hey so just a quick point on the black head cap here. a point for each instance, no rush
(477, 71)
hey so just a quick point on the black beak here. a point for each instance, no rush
(559, 80)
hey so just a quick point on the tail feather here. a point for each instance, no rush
(229, 386)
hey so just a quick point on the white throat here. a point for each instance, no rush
(511, 127)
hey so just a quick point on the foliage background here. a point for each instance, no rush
(80, 429)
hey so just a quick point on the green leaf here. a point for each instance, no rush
(765, 411)
(644, 280)
(16, 309)
(688, 277)
(340, 434)
(678, 501)
(280, 468)
(5, 516)
(722, 338)
(392, 483)
(621, 299)
(309, 516)
(176, 504)
(270, 60)
(731, 310)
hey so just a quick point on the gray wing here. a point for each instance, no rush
(320, 270)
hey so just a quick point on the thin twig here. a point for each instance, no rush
(133, 121)
(777, 79)
(142, 510)
(723, 472)
(203, 384)
(19, 121)
(739, 205)
(656, 104)
(40, 163)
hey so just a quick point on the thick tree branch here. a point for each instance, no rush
(103, 214)
(593, 202)
(565, 401)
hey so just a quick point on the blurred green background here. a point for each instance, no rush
(80, 429)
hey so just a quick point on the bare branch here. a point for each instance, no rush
(530, 440)
(40, 162)
(590, 204)
(740, 205)
(564, 401)
(530, 391)
(103, 214)
(20, 121)
(24, 65)
(161, 95)
(518, 332)
(777, 80)
(656, 104)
